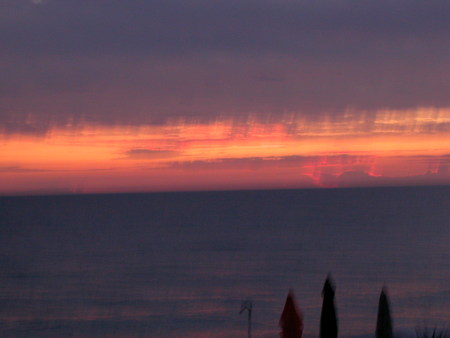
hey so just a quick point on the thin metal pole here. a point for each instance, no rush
(247, 305)
(250, 323)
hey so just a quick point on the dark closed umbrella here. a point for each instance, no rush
(384, 321)
(328, 320)
(291, 321)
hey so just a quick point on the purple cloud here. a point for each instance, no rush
(135, 62)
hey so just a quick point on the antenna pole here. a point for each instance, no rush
(247, 305)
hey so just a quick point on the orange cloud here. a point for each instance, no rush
(404, 146)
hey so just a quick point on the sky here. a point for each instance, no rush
(133, 96)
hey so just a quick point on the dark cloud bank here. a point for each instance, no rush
(146, 61)
(354, 174)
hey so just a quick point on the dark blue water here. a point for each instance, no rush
(179, 264)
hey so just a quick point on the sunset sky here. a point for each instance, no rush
(125, 96)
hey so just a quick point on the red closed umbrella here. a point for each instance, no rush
(291, 321)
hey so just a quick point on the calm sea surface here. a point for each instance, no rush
(179, 264)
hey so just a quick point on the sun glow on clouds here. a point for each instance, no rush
(386, 148)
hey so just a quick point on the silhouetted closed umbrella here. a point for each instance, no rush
(291, 321)
(384, 321)
(328, 320)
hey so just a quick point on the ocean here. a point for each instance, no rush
(180, 264)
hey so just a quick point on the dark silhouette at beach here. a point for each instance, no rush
(384, 321)
(328, 320)
(291, 321)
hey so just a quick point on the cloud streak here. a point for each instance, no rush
(142, 154)
(17, 169)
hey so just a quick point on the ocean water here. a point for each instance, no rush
(179, 264)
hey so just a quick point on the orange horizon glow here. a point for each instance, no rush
(388, 148)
